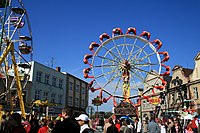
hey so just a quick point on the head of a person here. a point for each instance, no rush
(16, 117)
(170, 120)
(136, 120)
(110, 120)
(128, 122)
(176, 123)
(124, 122)
(4, 117)
(144, 120)
(117, 121)
(152, 117)
(82, 119)
(50, 124)
(189, 122)
(67, 112)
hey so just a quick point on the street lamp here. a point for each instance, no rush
(140, 94)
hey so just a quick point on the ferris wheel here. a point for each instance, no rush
(16, 47)
(122, 63)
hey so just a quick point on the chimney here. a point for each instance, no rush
(58, 69)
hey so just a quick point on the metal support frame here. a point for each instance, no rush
(10, 48)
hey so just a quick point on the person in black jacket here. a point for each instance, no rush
(15, 125)
(69, 124)
(112, 128)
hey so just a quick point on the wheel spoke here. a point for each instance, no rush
(106, 66)
(111, 79)
(106, 58)
(111, 53)
(120, 55)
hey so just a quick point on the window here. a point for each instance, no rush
(82, 103)
(70, 86)
(54, 79)
(196, 95)
(77, 88)
(172, 99)
(144, 104)
(37, 94)
(60, 98)
(76, 102)
(46, 95)
(70, 100)
(53, 97)
(39, 76)
(60, 83)
(83, 90)
(46, 78)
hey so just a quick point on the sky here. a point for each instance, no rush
(64, 29)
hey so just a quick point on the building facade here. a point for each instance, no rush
(58, 89)
(181, 93)
(77, 94)
(47, 85)
(194, 84)
(146, 106)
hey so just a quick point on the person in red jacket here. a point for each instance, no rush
(117, 124)
(195, 124)
(47, 127)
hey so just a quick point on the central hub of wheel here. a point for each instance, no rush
(125, 66)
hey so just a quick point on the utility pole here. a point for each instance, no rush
(52, 62)
(140, 94)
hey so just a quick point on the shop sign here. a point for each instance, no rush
(154, 100)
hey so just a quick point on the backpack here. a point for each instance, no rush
(88, 130)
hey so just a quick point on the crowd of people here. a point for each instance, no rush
(153, 125)
(66, 123)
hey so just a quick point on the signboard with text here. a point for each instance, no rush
(125, 108)
(154, 100)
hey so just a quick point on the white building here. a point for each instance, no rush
(48, 84)
(59, 88)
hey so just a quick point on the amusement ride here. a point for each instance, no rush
(121, 63)
(16, 50)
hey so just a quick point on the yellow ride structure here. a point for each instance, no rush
(16, 47)
(10, 49)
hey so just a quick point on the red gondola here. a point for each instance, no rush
(116, 31)
(90, 84)
(86, 72)
(93, 89)
(158, 43)
(166, 56)
(131, 31)
(106, 99)
(145, 34)
(167, 70)
(161, 87)
(93, 45)
(86, 57)
(24, 49)
(18, 10)
(103, 36)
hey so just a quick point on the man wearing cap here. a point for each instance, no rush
(83, 121)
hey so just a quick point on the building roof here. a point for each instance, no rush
(186, 71)
(197, 57)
